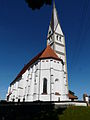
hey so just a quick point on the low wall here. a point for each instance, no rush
(69, 103)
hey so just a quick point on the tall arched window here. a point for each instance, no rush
(44, 86)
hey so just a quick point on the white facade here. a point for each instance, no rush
(30, 86)
(46, 78)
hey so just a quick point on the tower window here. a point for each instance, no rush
(44, 86)
(49, 32)
(57, 37)
(60, 38)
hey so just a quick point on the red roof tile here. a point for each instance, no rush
(72, 96)
(49, 53)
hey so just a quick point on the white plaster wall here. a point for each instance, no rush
(87, 99)
(53, 68)
(30, 86)
(61, 56)
(30, 97)
(59, 86)
(59, 30)
(55, 64)
(57, 105)
(59, 48)
(45, 73)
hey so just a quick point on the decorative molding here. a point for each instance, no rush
(61, 53)
(60, 44)
(59, 34)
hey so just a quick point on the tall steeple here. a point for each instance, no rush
(54, 27)
(56, 40)
(54, 20)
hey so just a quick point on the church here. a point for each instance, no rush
(45, 77)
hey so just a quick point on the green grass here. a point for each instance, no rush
(75, 113)
(71, 113)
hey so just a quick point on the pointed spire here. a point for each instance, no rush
(53, 4)
(54, 19)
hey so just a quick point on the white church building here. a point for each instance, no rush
(44, 78)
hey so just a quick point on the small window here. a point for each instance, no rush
(57, 37)
(49, 32)
(44, 86)
(60, 38)
(51, 60)
(56, 80)
(18, 100)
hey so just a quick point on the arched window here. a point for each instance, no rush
(44, 86)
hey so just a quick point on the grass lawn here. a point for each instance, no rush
(75, 113)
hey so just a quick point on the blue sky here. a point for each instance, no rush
(23, 34)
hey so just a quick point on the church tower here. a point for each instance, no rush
(56, 40)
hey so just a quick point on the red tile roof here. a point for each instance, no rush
(46, 53)
(49, 53)
(72, 96)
